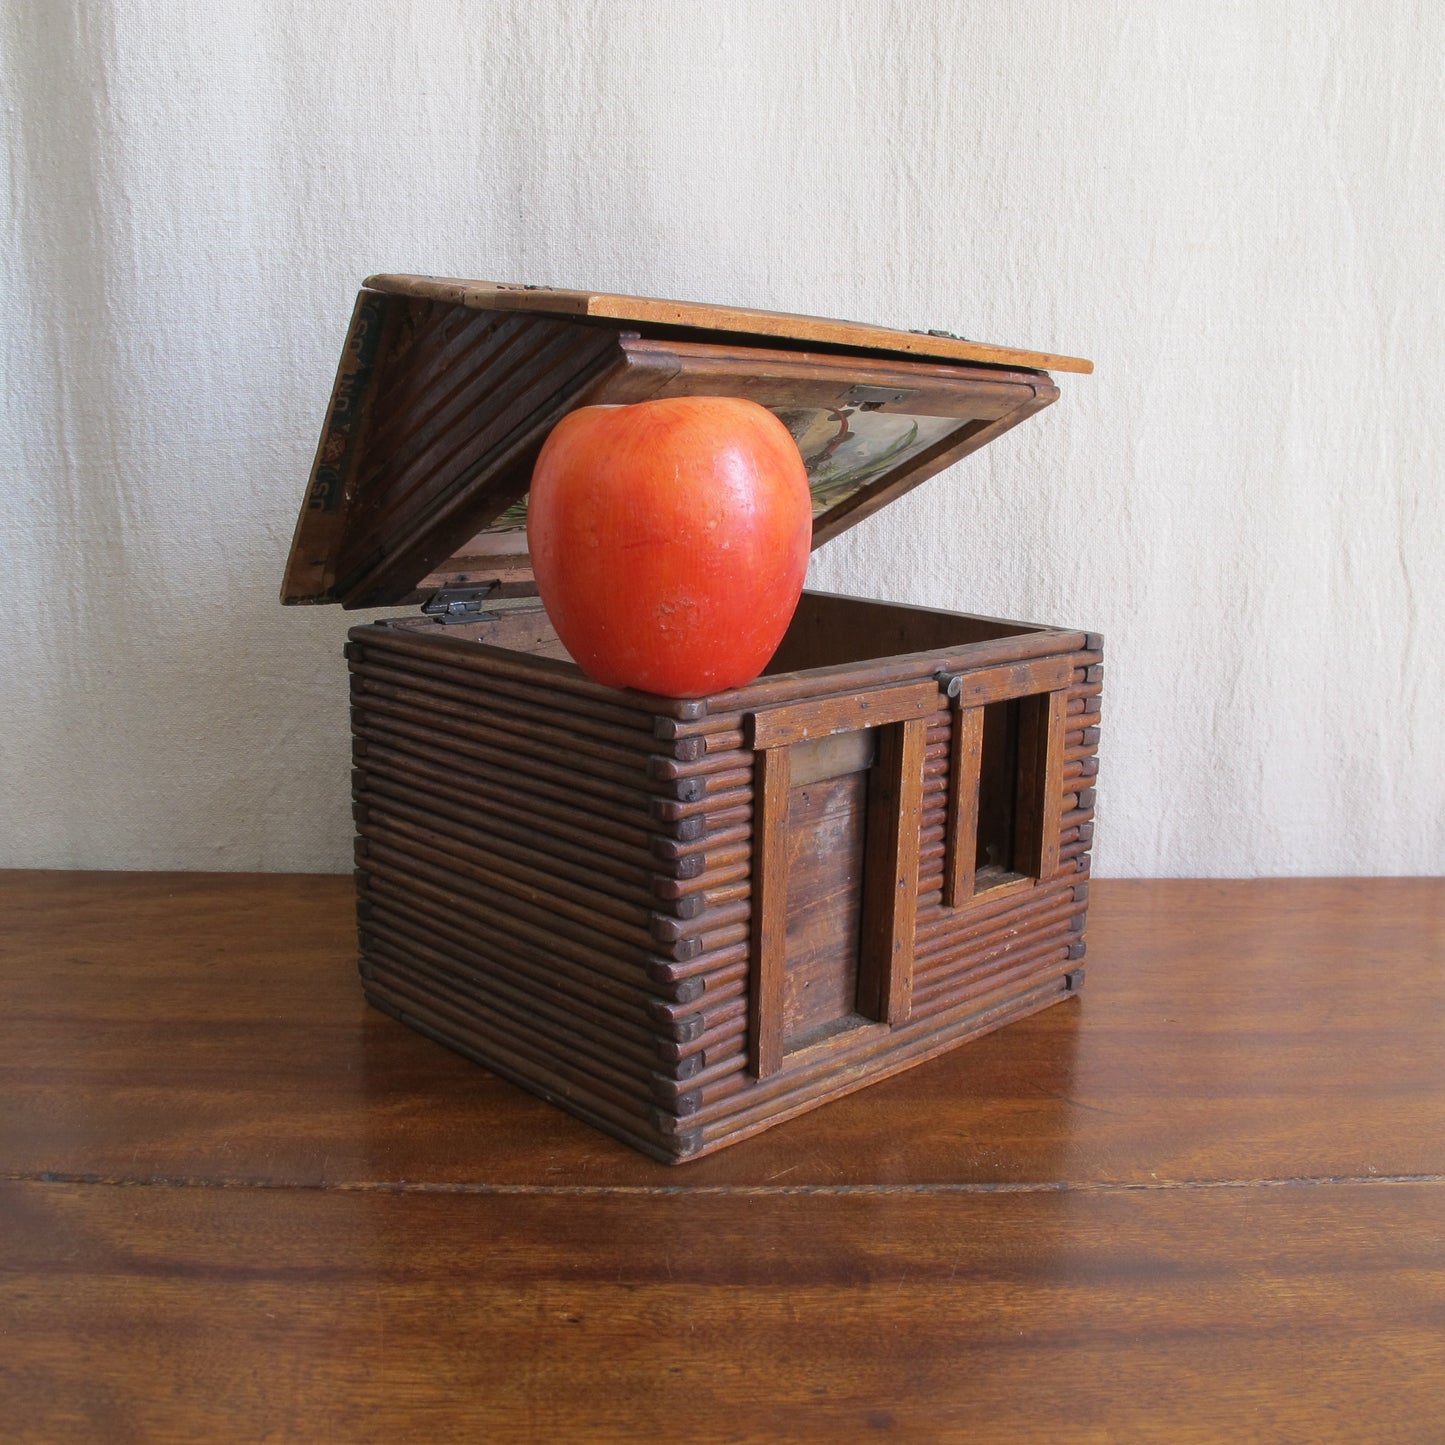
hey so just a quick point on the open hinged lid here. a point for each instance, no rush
(447, 389)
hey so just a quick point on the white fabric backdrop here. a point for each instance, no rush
(1234, 209)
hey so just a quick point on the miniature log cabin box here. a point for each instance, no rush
(685, 921)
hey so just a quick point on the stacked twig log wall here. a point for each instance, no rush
(558, 879)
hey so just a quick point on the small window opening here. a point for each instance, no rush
(1004, 795)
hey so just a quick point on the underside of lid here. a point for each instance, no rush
(442, 403)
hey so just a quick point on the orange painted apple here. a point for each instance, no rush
(670, 540)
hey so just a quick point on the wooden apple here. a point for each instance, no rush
(670, 540)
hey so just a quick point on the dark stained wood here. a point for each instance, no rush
(426, 498)
(445, 394)
(828, 630)
(998, 794)
(1295, 1313)
(890, 882)
(769, 932)
(1006, 776)
(1206, 1201)
(480, 807)
(548, 680)
(441, 405)
(965, 757)
(455, 425)
(817, 677)
(475, 717)
(414, 765)
(1040, 783)
(188, 1025)
(570, 851)
(616, 1008)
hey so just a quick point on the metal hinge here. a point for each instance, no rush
(461, 604)
(870, 398)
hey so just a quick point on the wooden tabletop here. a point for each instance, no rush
(1204, 1202)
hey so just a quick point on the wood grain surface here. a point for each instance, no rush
(1204, 1202)
(731, 320)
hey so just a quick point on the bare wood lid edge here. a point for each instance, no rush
(734, 320)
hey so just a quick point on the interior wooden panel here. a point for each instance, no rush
(1040, 747)
(526, 630)
(828, 630)
(833, 756)
(998, 787)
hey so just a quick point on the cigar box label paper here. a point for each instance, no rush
(845, 448)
